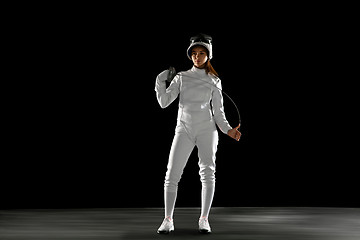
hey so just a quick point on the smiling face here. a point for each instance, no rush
(199, 56)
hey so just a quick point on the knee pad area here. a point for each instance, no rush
(207, 174)
(171, 181)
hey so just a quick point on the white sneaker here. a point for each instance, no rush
(204, 226)
(166, 226)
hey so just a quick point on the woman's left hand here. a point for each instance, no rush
(234, 133)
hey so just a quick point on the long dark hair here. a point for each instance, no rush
(210, 69)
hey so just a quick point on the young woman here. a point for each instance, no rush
(200, 107)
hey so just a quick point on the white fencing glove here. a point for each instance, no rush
(163, 75)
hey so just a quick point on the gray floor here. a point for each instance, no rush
(227, 223)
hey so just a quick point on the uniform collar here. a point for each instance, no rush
(199, 71)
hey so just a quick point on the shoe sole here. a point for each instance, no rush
(164, 232)
(204, 231)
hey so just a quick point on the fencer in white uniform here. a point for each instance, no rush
(200, 108)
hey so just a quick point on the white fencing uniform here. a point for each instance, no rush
(200, 107)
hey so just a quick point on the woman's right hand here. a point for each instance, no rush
(163, 75)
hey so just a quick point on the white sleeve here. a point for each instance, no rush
(218, 109)
(166, 96)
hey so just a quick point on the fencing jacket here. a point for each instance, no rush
(200, 101)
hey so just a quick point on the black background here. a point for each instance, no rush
(86, 129)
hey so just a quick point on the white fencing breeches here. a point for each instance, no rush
(205, 137)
